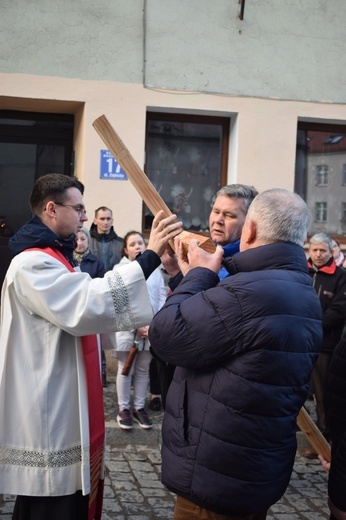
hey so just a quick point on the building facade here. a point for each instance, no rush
(199, 96)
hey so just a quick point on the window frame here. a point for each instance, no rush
(223, 121)
(44, 133)
(12, 133)
(322, 175)
(343, 175)
(306, 175)
(321, 208)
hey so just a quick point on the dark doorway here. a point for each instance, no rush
(31, 145)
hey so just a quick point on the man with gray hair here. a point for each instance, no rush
(226, 220)
(244, 349)
(329, 282)
(227, 217)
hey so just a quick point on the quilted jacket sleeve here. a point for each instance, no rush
(175, 332)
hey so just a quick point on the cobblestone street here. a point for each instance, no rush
(133, 490)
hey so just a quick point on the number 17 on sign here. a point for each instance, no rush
(109, 167)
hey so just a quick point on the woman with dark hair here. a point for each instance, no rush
(133, 247)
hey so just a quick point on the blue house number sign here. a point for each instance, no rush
(109, 167)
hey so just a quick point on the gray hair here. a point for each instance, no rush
(318, 238)
(280, 216)
(239, 191)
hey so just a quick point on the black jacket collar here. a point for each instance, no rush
(36, 234)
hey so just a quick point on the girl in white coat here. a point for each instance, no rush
(133, 246)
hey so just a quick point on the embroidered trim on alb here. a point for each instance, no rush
(120, 300)
(41, 459)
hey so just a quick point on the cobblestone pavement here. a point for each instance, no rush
(133, 490)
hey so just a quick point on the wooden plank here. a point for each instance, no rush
(313, 434)
(155, 203)
(140, 181)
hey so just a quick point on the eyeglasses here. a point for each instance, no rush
(79, 209)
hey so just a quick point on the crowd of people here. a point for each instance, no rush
(230, 349)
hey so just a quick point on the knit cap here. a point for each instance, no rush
(87, 233)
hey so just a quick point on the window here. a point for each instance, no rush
(343, 182)
(31, 145)
(321, 212)
(320, 175)
(322, 178)
(334, 139)
(186, 161)
(343, 210)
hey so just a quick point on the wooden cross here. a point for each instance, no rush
(141, 182)
(155, 203)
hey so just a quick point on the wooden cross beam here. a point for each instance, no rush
(155, 203)
(313, 434)
(140, 181)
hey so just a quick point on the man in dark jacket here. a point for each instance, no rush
(335, 398)
(244, 349)
(226, 220)
(51, 402)
(105, 243)
(330, 284)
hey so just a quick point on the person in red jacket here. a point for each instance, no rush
(329, 282)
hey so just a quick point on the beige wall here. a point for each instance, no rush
(124, 57)
(262, 144)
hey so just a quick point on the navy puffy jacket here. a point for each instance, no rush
(93, 265)
(247, 348)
